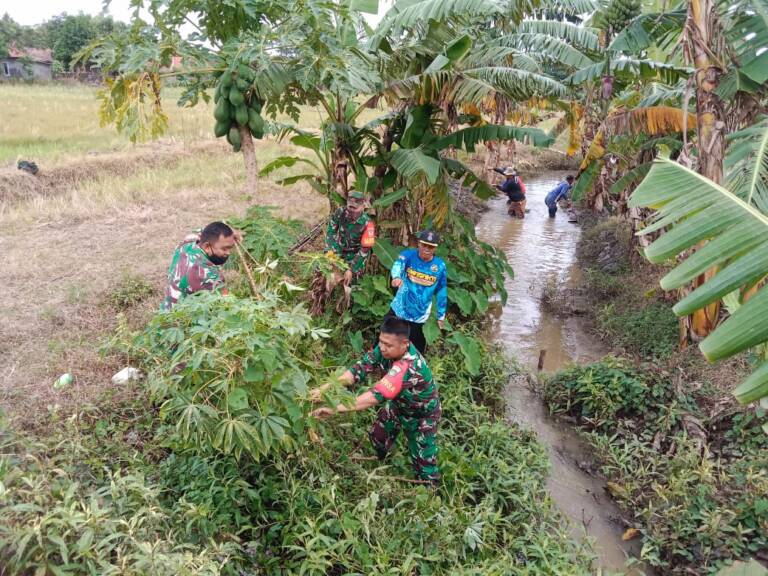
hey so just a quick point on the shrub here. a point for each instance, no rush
(650, 331)
(129, 291)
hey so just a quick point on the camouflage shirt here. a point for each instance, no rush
(344, 237)
(408, 382)
(190, 272)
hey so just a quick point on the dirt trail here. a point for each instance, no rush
(53, 316)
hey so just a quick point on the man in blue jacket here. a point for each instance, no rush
(557, 194)
(419, 275)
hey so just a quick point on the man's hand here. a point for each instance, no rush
(347, 277)
(397, 282)
(316, 394)
(440, 324)
(322, 413)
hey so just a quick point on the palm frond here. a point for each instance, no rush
(651, 121)
(468, 138)
(546, 47)
(407, 14)
(629, 178)
(747, 164)
(694, 209)
(748, 34)
(631, 68)
(478, 83)
(577, 35)
(650, 29)
(494, 54)
(569, 7)
(413, 163)
(656, 93)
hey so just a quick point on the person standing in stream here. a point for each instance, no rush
(419, 276)
(561, 192)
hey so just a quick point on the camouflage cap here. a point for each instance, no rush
(429, 237)
(356, 194)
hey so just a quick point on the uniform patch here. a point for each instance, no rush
(420, 278)
(433, 268)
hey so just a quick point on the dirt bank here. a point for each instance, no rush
(17, 185)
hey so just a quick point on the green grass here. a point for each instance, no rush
(693, 478)
(50, 122)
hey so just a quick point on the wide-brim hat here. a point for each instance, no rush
(429, 237)
(509, 171)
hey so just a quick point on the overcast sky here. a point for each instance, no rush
(36, 11)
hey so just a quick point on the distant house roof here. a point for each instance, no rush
(41, 55)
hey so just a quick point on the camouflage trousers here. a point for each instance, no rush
(419, 433)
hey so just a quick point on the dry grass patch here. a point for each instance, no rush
(65, 257)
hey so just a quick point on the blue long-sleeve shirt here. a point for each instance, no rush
(557, 193)
(421, 281)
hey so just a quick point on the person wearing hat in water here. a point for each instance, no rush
(514, 187)
(350, 235)
(419, 275)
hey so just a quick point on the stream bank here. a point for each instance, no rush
(687, 465)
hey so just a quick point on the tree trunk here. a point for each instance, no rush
(703, 40)
(249, 157)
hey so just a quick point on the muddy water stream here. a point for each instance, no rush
(541, 250)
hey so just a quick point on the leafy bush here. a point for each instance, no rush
(229, 371)
(651, 331)
(265, 235)
(699, 497)
(130, 291)
(599, 393)
(320, 509)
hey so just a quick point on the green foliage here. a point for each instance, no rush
(229, 372)
(266, 237)
(130, 290)
(81, 503)
(104, 494)
(697, 494)
(650, 331)
(599, 393)
(694, 209)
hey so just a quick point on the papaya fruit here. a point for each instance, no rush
(221, 112)
(217, 93)
(236, 97)
(221, 128)
(256, 104)
(226, 79)
(241, 115)
(242, 85)
(233, 137)
(255, 123)
(245, 72)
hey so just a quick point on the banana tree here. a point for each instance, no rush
(731, 226)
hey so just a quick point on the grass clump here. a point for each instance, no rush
(650, 331)
(130, 290)
(697, 494)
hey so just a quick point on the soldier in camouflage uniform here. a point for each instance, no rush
(408, 394)
(196, 263)
(344, 236)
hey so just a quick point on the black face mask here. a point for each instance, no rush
(218, 260)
